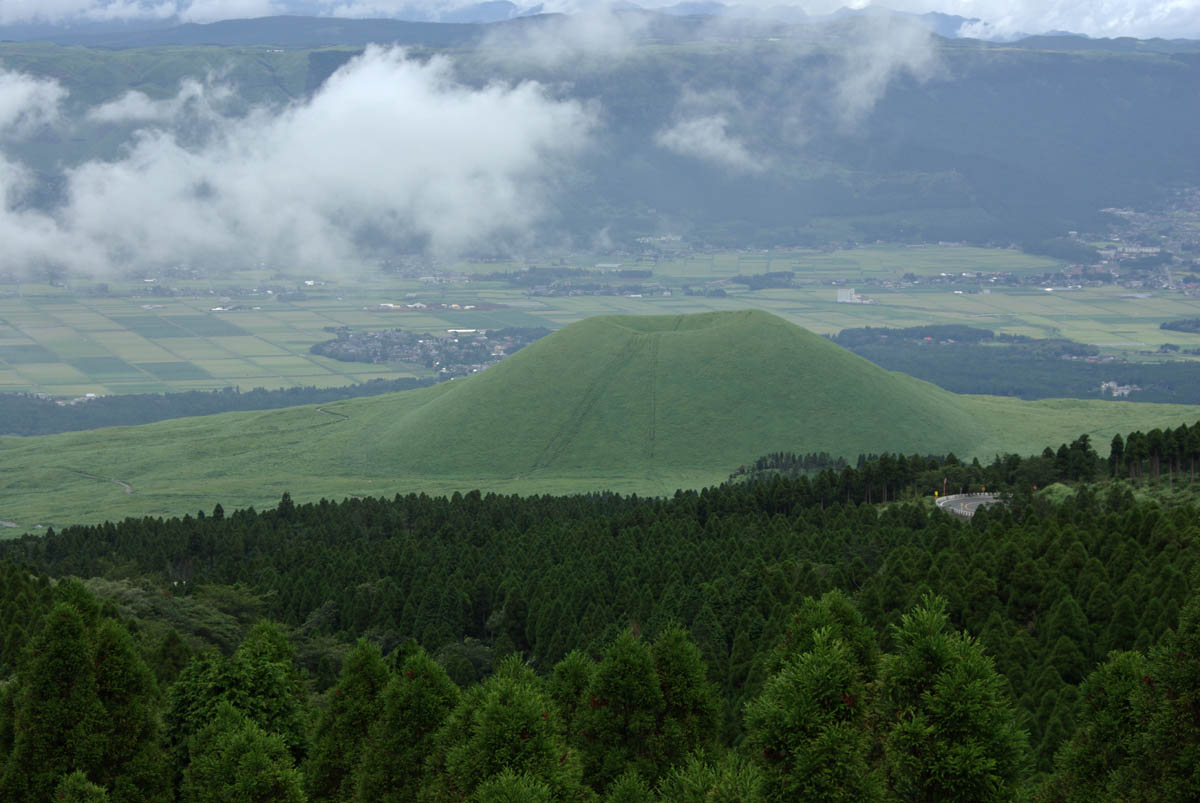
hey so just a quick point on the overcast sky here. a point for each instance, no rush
(1142, 18)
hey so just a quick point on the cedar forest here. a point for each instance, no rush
(781, 637)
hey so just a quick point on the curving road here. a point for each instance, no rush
(965, 505)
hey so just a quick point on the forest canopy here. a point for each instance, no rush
(780, 637)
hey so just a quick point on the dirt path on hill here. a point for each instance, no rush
(331, 412)
(126, 487)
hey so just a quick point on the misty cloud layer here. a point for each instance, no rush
(872, 61)
(27, 104)
(394, 154)
(600, 36)
(997, 18)
(59, 11)
(715, 127)
(389, 150)
(707, 138)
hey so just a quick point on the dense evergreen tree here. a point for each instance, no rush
(259, 680)
(411, 708)
(505, 725)
(808, 729)
(690, 705)
(1165, 762)
(619, 727)
(569, 683)
(58, 719)
(629, 788)
(950, 733)
(233, 760)
(1089, 767)
(342, 729)
(133, 765)
(511, 787)
(84, 702)
(727, 780)
(76, 788)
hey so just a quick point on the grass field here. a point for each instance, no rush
(65, 342)
(644, 405)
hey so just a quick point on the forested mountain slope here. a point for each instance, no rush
(759, 639)
(645, 404)
(976, 142)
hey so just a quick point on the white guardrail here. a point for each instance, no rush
(946, 503)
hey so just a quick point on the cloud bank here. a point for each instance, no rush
(1143, 19)
(14, 12)
(826, 88)
(27, 104)
(707, 138)
(390, 150)
(598, 38)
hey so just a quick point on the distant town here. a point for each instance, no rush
(458, 352)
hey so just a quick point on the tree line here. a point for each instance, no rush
(1142, 455)
(29, 414)
(966, 359)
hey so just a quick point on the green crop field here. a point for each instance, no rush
(68, 341)
(870, 262)
(634, 404)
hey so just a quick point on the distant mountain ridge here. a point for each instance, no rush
(284, 31)
(467, 25)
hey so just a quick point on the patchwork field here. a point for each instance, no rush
(169, 334)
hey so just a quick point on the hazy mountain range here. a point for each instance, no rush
(144, 31)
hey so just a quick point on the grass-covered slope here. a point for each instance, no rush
(645, 404)
(647, 395)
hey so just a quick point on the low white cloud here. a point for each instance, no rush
(999, 18)
(1144, 19)
(54, 11)
(702, 129)
(814, 88)
(195, 99)
(29, 236)
(384, 9)
(1101, 18)
(390, 149)
(597, 37)
(27, 104)
(214, 10)
(877, 54)
(1005, 18)
(74, 11)
(708, 139)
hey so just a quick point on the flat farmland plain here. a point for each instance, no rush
(229, 331)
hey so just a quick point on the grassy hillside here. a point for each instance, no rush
(645, 404)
